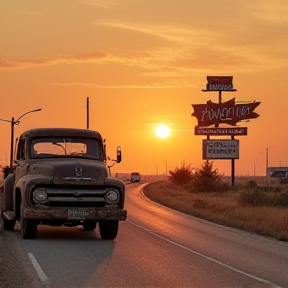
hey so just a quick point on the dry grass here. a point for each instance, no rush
(222, 208)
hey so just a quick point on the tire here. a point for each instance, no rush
(9, 224)
(89, 225)
(28, 228)
(108, 229)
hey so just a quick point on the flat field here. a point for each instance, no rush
(222, 208)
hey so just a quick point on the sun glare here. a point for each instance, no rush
(162, 131)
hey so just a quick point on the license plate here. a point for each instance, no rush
(77, 214)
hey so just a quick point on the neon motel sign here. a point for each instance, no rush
(227, 112)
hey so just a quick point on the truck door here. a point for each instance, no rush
(20, 159)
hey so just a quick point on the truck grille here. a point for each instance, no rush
(73, 197)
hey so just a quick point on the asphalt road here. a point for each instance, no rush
(155, 247)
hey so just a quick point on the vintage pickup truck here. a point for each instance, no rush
(61, 177)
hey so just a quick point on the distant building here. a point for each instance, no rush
(277, 172)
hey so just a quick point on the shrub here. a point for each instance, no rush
(207, 179)
(280, 200)
(181, 176)
(283, 181)
(254, 197)
(283, 199)
(251, 184)
(276, 189)
(260, 197)
(222, 186)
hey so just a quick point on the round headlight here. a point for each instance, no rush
(39, 195)
(112, 196)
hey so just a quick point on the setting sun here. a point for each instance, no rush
(162, 131)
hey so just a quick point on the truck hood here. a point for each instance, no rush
(73, 172)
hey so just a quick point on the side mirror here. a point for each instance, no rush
(119, 155)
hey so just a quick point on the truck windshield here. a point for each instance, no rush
(66, 147)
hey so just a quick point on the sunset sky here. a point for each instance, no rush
(143, 63)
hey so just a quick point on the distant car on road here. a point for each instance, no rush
(135, 177)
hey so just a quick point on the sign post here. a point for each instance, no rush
(228, 113)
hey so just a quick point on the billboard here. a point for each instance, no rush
(220, 149)
(227, 112)
(219, 83)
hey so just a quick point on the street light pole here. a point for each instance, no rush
(12, 132)
(11, 143)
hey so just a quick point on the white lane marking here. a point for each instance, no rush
(42, 276)
(208, 258)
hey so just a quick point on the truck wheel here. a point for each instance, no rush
(89, 225)
(108, 229)
(9, 224)
(28, 228)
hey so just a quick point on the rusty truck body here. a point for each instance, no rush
(60, 177)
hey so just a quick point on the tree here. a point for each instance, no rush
(206, 179)
(181, 176)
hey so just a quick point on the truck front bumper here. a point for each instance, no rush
(75, 214)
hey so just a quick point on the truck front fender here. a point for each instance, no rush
(27, 183)
(7, 195)
(109, 181)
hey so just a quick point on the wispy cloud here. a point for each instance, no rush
(102, 4)
(49, 61)
(190, 46)
(172, 32)
(155, 86)
(272, 11)
(185, 50)
(33, 13)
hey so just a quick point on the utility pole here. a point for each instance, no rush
(166, 168)
(267, 157)
(87, 108)
(255, 160)
(267, 162)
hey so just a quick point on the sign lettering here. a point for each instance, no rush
(221, 131)
(219, 83)
(220, 149)
(227, 112)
